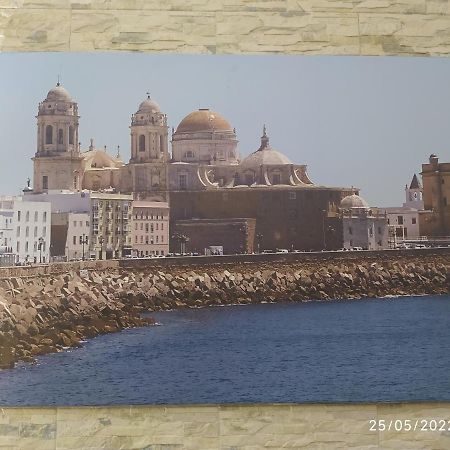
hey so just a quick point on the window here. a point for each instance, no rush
(162, 239)
(162, 226)
(152, 228)
(157, 227)
(81, 239)
(350, 231)
(70, 135)
(35, 216)
(400, 220)
(189, 154)
(26, 246)
(27, 216)
(292, 195)
(379, 230)
(18, 215)
(60, 136)
(18, 232)
(370, 231)
(74, 223)
(45, 182)
(136, 226)
(136, 239)
(142, 143)
(74, 240)
(276, 179)
(44, 231)
(413, 220)
(49, 134)
(27, 231)
(18, 247)
(87, 223)
(146, 227)
(182, 180)
(35, 231)
(406, 232)
(249, 179)
(45, 216)
(157, 239)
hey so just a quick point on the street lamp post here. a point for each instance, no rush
(100, 240)
(323, 229)
(84, 240)
(40, 245)
(259, 237)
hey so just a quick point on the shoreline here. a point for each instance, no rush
(41, 314)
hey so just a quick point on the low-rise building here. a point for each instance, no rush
(403, 220)
(150, 228)
(363, 226)
(31, 231)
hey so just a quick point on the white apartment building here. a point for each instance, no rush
(403, 220)
(31, 224)
(70, 222)
(78, 240)
(150, 228)
(6, 226)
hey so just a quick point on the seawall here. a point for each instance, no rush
(47, 308)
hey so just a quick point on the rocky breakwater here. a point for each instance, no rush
(41, 314)
(44, 314)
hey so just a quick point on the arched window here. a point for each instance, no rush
(142, 143)
(161, 144)
(49, 134)
(70, 135)
(60, 136)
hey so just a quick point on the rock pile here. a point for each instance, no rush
(42, 314)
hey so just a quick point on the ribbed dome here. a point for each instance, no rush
(149, 106)
(203, 120)
(58, 94)
(265, 155)
(353, 201)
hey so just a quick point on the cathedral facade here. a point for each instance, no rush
(202, 178)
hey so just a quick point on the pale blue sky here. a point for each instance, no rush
(355, 121)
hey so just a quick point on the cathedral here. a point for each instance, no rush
(203, 177)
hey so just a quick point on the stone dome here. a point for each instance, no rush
(353, 201)
(203, 120)
(265, 155)
(58, 94)
(149, 106)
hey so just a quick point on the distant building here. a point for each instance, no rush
(403, 220)
(31, 230)
(150, 228)
(435, 219)
(70, 220)
(6, 225)
(200, 235)
(110, 233)
(363, 226)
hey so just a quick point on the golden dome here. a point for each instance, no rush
(203, 120)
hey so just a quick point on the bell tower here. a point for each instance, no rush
(57, 161)
(149, 134)
(413, 194)
(146, 175)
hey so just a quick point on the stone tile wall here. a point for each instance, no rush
(224, 427)
(342, 27)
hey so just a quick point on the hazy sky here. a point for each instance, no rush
(368, 122)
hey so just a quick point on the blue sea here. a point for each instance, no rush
(373, 350)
